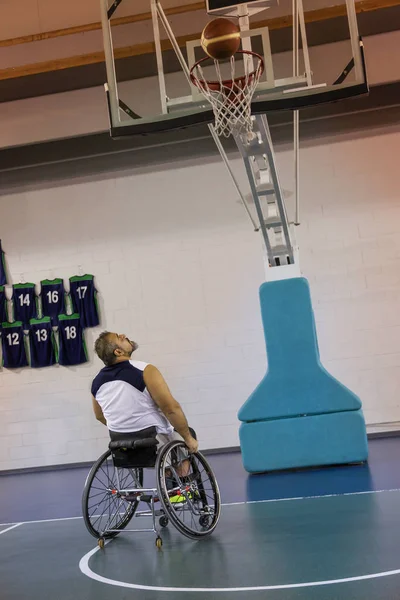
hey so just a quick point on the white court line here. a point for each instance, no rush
(86, 570)
(234, 504)
(9, 528)
(43, 521)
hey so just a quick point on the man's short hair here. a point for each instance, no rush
(104, 348)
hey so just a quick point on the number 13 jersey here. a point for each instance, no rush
(41, 343)
(71, 344)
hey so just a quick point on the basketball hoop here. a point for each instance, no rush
(230, 98)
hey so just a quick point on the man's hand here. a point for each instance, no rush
(192, 444)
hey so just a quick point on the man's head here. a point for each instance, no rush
(114, 347)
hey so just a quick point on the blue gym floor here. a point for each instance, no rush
(317, 534)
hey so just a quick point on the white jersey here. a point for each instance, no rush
(127, 406)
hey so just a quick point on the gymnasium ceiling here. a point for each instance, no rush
(50, 46)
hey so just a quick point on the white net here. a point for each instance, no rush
(231, 98)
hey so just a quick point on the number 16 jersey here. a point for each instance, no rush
(53, 298)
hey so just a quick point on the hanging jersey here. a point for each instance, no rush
(53, 298)
(72, 347)
(41, 343)
(3, 305)
(24, 303)
(13, 345)
(3, 273)
(84, 299)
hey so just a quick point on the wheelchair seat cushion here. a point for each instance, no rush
(126, 444)
(136, 449)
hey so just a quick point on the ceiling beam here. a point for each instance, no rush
(362, 6)
(47, 35)
(148, 47)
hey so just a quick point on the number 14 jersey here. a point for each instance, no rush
(24, 302)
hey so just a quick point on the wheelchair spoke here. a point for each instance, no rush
(190, 497)
(103, 507)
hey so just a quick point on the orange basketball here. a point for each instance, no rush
(220, 38)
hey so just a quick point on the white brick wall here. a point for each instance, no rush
(178, 268)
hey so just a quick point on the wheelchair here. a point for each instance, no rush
(114, 489)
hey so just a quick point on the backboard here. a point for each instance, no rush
(309, 60)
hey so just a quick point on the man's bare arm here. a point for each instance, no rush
(98, 412)
(159, 391)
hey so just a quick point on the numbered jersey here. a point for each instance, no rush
(3, 273)
(3, 305)
(72, 348)
(53, 298)
(24, 303)
(13, 345)
(84, 299)
(41, 343)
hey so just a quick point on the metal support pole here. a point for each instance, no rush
(110, 63)
(160, 65)
(296, 70)
(304, 43)
(228, 166)
(275, 180)
(295, 35)
(296, 133)
(354, 37)
(173, 41)
(254, 193)
(244, 24)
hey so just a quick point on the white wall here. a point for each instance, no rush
(178, 268)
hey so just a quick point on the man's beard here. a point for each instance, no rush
(134, 346)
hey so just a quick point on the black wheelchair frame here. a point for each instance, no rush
(114, 489)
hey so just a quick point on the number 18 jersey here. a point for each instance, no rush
(72, 347)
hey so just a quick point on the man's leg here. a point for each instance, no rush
(182, 466)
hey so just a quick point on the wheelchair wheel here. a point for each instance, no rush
(191, 500)
(103, 508)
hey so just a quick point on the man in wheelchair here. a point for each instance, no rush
(133, 400)
(129, 396)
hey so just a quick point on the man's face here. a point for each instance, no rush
(125, 346)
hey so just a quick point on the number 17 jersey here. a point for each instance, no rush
(84, 299)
